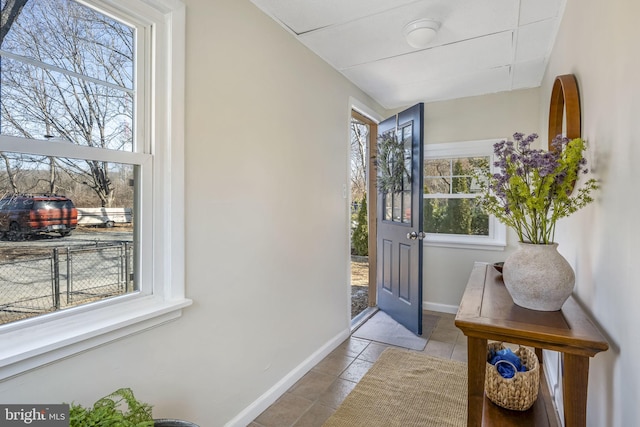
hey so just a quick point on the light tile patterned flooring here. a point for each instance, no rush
(312, 400)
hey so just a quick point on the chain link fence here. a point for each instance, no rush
(66, 277)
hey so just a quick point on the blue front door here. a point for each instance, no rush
(399, 238)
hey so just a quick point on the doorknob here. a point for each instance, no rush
(416, 235)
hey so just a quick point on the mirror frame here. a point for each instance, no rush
(564, 97)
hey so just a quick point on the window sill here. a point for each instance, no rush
(479, 244)
(50, 338)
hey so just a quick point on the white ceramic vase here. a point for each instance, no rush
(538, 277)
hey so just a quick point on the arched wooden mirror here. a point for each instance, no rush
(564, 108)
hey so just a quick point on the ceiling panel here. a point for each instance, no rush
(380, 35)
(307, 15)
(482, 46)
(539, 10)
(528, 74)
(534, 40)
(431, 64)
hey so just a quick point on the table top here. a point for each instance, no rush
(488, 311)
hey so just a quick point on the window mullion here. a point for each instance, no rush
(44, 65)
(61, 149)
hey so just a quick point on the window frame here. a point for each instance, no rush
(33, 342)
(497, 238)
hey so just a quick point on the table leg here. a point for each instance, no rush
(575, 379)
(477, 359)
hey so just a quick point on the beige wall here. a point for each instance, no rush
(497, 115)
(267, 139)
(446, 270)
(598, 42)
(266, 233)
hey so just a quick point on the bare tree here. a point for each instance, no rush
(82, 93)
(359, 136)
(8, 15)
(12, 171)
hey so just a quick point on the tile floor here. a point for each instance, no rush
(312, 400)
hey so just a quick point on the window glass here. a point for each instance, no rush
(56, 249)
(67, 75)
(76, 80)
(67, 78)
(455, 216)
(450, 206)
(452, 215)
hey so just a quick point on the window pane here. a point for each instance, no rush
(437, 185)
(461, 184)
(35, 105)
(59, 246)
(67, 35)
(437, 167)
(68, 77)
(455, 216)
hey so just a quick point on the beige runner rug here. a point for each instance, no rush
(406, 388)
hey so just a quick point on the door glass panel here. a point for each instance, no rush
(388, 198)
(406, 184)
(387, 178)
(397, 207)
(396, 161)
(406, 210)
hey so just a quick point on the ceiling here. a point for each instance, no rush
(482, 46)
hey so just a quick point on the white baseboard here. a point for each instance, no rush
(247, 415)
(250, 413)
(442, 308)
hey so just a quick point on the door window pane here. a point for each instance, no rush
(397, 207)
(407, 134)
(395, 169)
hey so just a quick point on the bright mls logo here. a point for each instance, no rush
(34, 415)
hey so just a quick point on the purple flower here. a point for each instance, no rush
(530, 188)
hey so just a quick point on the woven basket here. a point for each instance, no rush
(517, 393)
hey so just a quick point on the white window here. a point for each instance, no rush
(92, 98)
(452, 217)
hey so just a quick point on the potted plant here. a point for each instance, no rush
(529, 191)
(121, 409)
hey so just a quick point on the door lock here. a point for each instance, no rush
(416, 235)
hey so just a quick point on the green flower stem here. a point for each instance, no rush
(533, 188)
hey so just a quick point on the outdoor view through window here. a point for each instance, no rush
(450, 196)
(69, 173)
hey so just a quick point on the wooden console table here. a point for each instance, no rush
(487, 312)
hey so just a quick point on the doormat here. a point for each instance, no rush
(382, 328)
(408, 389)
